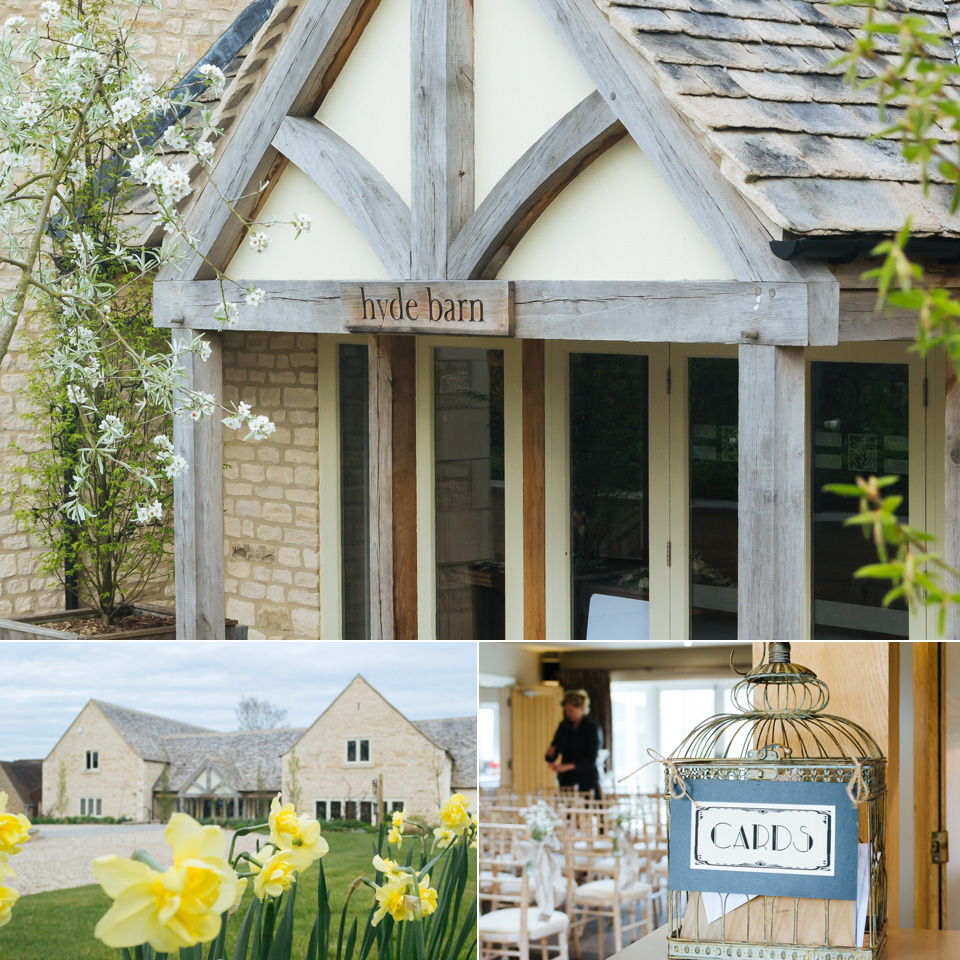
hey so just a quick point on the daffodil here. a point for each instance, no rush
(395, 834)
(175, 908)
(428, 897)
(13, 828)
(443, 837)
(241, 889)
(392, 898)
(275, 876)
(8, 897)
(453, 814)
(298, 835)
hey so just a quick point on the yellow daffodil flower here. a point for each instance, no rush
(176, 908)
(443, 837)
(392, 897)
(5, 869)
(453, 814)
(13, 828)
(276, 876)
(388, 867)
(428, 897)
(298, 835)
(8, 897)
(241, 889)
(395, 834)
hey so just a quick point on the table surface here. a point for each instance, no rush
(901, 945)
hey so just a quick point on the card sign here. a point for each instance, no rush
(795, 839)
(471, 307)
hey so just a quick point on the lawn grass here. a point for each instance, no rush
(58, 925)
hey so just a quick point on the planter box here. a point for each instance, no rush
(35, 625)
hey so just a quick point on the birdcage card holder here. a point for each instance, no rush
(777, 828)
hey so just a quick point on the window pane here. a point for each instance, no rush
(335, 807)
(608, 497)
(364, 751)
(351, 751)
(630, 729)
(488, 744)
(861, 426)
(469, 492)
(713, 407)
(350, 810)
(680, 712)
(366, 811)
(321, 811)
(354, 505)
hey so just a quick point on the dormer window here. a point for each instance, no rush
(93, 760)
(358, 751)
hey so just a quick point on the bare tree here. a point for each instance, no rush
(256, 714)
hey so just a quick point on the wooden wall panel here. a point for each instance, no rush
(535, 714)
(534, 505)
(404, 488)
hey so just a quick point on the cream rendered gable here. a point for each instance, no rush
(618, 220)
(120, 780)
(414, 769)
(524, 82)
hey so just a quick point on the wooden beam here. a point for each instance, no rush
(927, 782)
(534, 504)
(442, 130)
(717, 311)
(403, 362)
(773, 553)
(323, 32)
(198, 503)
(666, 139)
(861, 321)
(354, 184)
(381, 489)
(530, 185)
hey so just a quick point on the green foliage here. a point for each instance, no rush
(62, 802)
(109, 556)
(166, 801)
(294, 792)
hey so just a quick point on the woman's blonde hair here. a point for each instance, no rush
(576, 698)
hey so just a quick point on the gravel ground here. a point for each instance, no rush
(59, 855)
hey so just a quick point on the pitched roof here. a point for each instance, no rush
(249, 759)
(757, 81)
(458, 736)
(25, 776)
(145, 732)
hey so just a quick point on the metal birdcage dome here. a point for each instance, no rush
(780, 734)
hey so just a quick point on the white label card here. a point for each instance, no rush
(773, 838)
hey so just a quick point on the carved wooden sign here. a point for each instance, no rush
(470, 307)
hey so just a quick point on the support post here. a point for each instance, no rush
(393, 488)
(951, 493)
(198, 503)
(773, 539)
(534, 505)
(442, 125)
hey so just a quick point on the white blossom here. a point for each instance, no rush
(214, 76)
(204, 150)
(159, 104)
(77, 172)
(138, 165)
(111, 430)
(254, 296)
(50, 10)
(259, 242)
(125, 109)
(150, 511)
(55, 206)
(176, 466)
(141, 85)
(29, 113)
(302, 222)
(15, 23)
(260, 427)
(200, 405)
(175, 184)
(76, 395)
(205, 350)
(226, 315)
(154, 173)
(162, 442)
(73, 92)
(174, 138)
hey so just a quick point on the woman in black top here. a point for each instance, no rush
(572, 753)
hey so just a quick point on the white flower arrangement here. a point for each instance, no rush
(541, 819)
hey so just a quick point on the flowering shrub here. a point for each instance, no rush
(157, 911)
(82, 126)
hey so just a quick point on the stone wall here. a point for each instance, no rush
(414, 769)
(270, 488)
(119, 780)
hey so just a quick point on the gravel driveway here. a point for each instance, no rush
(59, 855)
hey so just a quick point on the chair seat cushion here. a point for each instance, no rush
(505, 924)
(603, 891)
(511, 887)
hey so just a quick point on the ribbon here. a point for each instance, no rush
(546, 872)
(676, 780)
(857, 789)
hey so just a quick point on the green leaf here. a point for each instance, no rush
(880, 571)
(283, 943)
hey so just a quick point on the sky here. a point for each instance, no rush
(43, 686)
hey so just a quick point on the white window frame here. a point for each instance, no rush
(90, 803)
(358, 762)
(91, 761)
(426, 482)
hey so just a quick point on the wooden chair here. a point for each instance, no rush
(513, 924)
(603, 882)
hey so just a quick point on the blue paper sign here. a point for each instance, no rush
(788, 839)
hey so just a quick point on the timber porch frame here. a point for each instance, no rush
(772, 310)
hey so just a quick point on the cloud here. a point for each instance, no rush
(45, 685)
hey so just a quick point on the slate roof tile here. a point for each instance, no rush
(458, 736)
